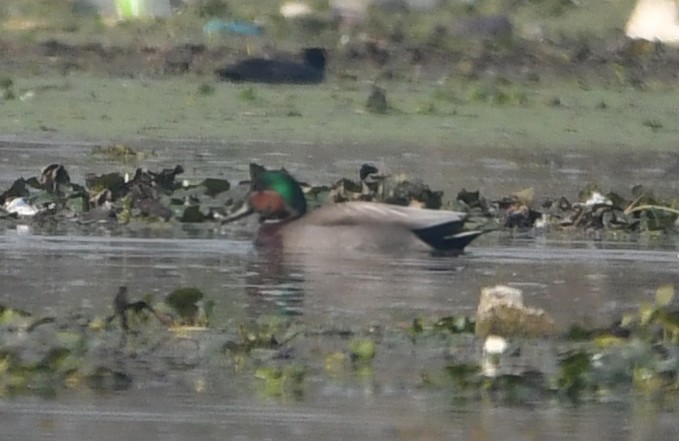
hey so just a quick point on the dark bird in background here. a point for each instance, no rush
(278, 71)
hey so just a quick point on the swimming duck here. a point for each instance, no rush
(286, 222)
(278, 71)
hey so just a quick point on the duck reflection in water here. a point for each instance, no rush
(346, 288)
(273, 286)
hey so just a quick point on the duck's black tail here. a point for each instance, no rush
(452, 242)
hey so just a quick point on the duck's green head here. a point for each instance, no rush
(274, 194)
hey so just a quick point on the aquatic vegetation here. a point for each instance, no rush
(265, 333)
(118, 151)
(189, 306)
(362, 350)
(277, 382)
(46, 354)
(637, 356)
(112, 199)
(424, 328)
(595, 211)
(372, 186)
(123, 309)
(660, 319)
(640, 353)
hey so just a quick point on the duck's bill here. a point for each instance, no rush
(242, 212)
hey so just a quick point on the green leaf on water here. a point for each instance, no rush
(184, 301)
(646, 313)
(628, 320)
(664, 295)
(455, 324)
(574, 373)
(215, 186)
(362, 350)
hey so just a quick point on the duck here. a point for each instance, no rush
(278, 71)
(286, 221)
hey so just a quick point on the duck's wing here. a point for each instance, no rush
(372, 213)
(440, 229)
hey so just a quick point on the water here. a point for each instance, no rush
(494, 171)
(154, 415)
(575, 279)
(585, 281)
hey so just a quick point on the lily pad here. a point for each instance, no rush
(463, 375)
(114, 182)
(214, 186)
(575, 373)
(362, 350)
(184, 301)
(17, 190)
(456, 324)
(193, 214)
(664, 295)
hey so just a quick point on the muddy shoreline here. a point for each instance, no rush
(635, 63)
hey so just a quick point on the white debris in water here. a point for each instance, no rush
(654, 20)
(495, 344)
(541, 223)
(493, 348)
(597, 199)
(499, 295)
(21, 207)
(597, 360)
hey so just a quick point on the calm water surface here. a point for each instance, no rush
(575, 280)
(173, 417)
(588, 281)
